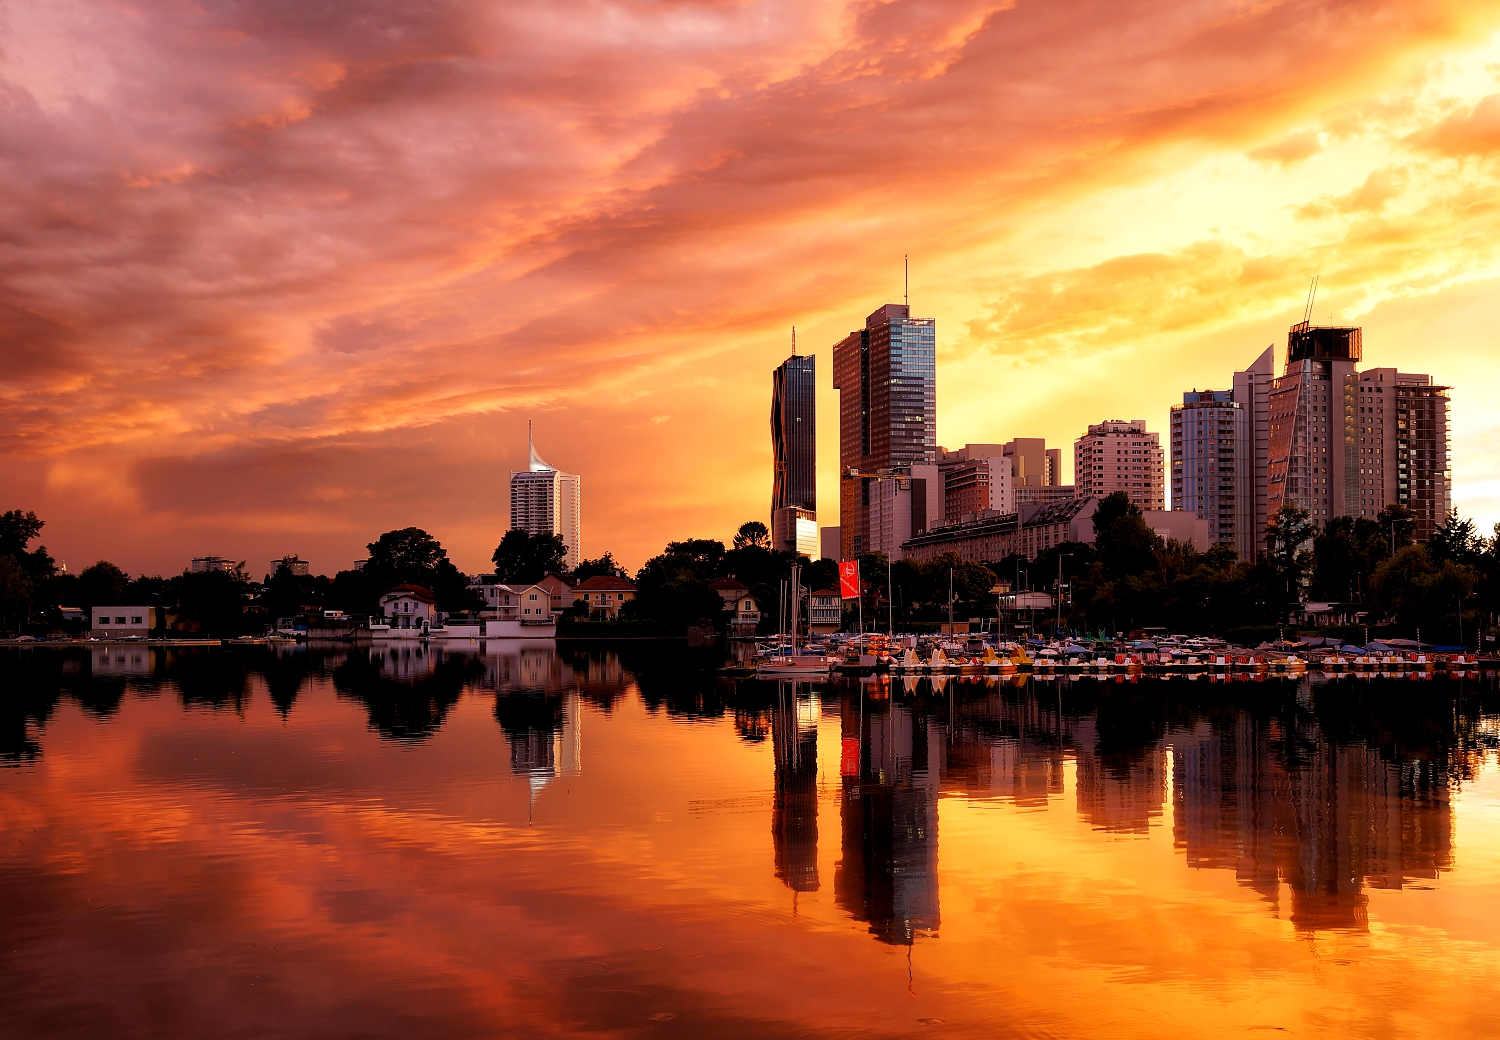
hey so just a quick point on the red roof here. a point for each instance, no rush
(728, 583)
(414, 591)
(826, 592)
(604, 583)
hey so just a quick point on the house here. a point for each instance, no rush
(825, 612)
(744, 616)
(409, 606)
(124, 622)
(560, 589)
(604, 593)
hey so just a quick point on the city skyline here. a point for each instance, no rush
(303, 301)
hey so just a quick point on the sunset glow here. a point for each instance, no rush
(280, 276)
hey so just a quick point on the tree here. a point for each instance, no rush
(102, 584)
(524, 558)
(15, 594)
(409, 553)
(1126, 546)
(412, 556)
(1397, 526)
(1287, 538)
(752, 532)
(604, 566)
(1456, 540)
(17, 529)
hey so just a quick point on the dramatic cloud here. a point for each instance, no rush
(274, 277)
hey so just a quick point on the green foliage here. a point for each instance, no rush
(1456, 540)
(752, 532)
(1124, 544)
(102, 584)
(15, 594)
(523, 558)
(412, 556)
(604, 566)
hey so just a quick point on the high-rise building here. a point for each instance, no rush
(794, 482)
(977, 478)
(1120, 456)
(1252, 392)
(1211, 467)
(1310, 440)
(545, 500)
(1403, 451)
(886, 376)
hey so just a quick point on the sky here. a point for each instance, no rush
(276, 277)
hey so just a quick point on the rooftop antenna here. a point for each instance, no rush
(1312, 294)
(794, 341)
(906, 292)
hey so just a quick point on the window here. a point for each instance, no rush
(119, 621)
(135, 621)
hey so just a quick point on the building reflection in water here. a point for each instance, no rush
(794, 806)
(891, 769)
(1300, 819)
(1328, 822)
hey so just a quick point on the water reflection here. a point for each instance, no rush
(794, 805)
(891, 771)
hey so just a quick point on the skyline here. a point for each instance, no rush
(317, 295)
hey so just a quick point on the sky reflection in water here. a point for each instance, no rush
(507, 840)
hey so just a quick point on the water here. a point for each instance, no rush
(509, 841)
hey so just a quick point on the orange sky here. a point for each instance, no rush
(278, 277)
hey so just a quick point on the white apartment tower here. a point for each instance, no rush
(545, 500)
(1120, 456)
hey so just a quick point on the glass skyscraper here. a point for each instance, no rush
(886, 376)
(794, 445)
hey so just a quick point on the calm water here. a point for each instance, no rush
(510, 841)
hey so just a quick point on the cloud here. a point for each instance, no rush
(1291, 149)
(1475, 132)
(241, 234)
(1379, 188)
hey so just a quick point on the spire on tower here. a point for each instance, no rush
(538, 465)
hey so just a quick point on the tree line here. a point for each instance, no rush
(1447, 587)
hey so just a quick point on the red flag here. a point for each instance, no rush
(849, 579)
(849, 757)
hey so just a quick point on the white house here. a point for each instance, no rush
(122, 622)
(408, 607)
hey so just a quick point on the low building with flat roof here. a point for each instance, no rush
(124, 622)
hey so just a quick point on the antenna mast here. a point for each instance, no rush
(906, 291)
(794, 341)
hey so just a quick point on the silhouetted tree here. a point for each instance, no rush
(525, 558)
(752, 532)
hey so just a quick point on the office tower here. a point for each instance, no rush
(1313, 451)
(794, 484)
(794, 529)
(1033, 463)
(544, 500)
(886, 376)
(1119, 456)
(1211, 467)
(1252, 392)
(976, 478)
(1401, 425)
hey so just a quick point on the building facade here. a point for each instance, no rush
(886, 376)
(1211, 467)
(124, 622)
(1252, 392)
(1402, 428)
(795, 530)
(976, 477)
(204, 564)
(794, 481)
(1120, 456)
(545, 500)
(604, 594)
(991, 538)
